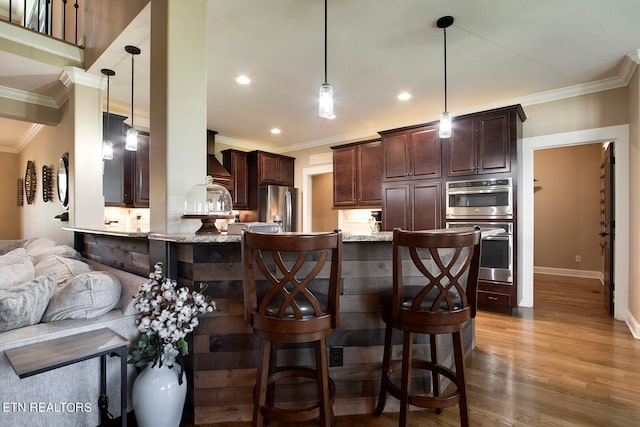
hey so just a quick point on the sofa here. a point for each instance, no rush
(78, 295)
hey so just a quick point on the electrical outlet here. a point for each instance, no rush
(336, 353)
(578, 258)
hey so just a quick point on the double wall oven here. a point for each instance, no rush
(489, 204)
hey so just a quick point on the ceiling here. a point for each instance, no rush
(499, 52)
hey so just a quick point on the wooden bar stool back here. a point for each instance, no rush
(291, 295)
(435, 278)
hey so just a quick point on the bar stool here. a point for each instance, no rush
(449, 261)
(291, 298)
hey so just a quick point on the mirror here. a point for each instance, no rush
(63, 180)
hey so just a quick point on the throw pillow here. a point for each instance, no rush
(85, 296)
(24, 304)
(9, 245)
(65, 268)
(16, 256)
(15, 274)
(43, 247)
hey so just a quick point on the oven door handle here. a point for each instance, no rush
(504, 238)
(478, 191)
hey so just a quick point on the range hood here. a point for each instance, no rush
(214, 167)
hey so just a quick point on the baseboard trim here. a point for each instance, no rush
(633, 325)
(586, 274)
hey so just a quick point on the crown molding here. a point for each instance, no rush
(27, 97)
(75, 75)
(28, 136)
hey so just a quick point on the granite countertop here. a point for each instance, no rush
(112, 230)
(382, 236)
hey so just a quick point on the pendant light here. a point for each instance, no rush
(131, 142)
(326, 91)
(107, 145)
(445, 118)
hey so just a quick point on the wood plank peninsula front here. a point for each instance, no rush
(221, 365)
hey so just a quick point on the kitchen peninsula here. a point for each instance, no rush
(221, 364)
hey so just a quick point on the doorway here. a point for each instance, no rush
(569, 210)
(619, 134)
(308, 175)
(323, 216)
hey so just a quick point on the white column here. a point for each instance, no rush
(178, 110)
(86, 202)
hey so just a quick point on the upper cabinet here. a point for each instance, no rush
(483, 143)
(126, 176)
(357, 173)
(412, 153)
(272, 169)
(235, 162)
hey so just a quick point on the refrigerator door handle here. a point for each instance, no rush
(287, 213)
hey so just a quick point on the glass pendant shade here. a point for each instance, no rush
(445, 125)
(107, 150)
(131, 143)
(326, 102)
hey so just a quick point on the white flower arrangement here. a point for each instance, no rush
(166, 316)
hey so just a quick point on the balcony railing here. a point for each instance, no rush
(56, 18)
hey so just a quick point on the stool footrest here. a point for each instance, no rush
(422, 400)
(295, 414)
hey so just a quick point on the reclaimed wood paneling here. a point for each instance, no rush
(124, 253)
(222, 363)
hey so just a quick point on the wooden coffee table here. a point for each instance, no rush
(34, 359)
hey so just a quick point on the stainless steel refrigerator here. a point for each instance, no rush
(279, 204)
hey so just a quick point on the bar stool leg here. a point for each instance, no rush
(458, 354)
(405, 384)
(326, 416)
(384, 378)
(262, 381)
(433, 340)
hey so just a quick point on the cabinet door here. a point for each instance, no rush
(344, 177)
(240, 180)
(395, 206)
(426, 205)
(397, 163)
(369, 175)
(493, 143)
(113, 178)
(425, 153)
(285, 171)
(141, 183)
(268, 165)
(461, 158)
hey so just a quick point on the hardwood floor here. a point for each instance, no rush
(563, 363)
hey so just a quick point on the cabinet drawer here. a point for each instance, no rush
(491, 298)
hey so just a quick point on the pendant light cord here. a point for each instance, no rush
(445, 69)
(132, 58)
(325, 41)
(108, 120)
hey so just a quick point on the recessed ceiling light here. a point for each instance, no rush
(404, 96)
(243, 80)
(275, 131)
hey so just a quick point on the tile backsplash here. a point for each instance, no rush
(128, 218)
(355, 220)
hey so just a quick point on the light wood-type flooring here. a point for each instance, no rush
(563, 363)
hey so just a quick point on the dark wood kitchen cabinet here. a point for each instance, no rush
(357, 174)
(411, 153)
(272, 169)
(137, 190)
(235, 162)
(126, 176)
(483, 143)
(412, 205)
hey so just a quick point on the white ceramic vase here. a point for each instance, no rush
(157, 397)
